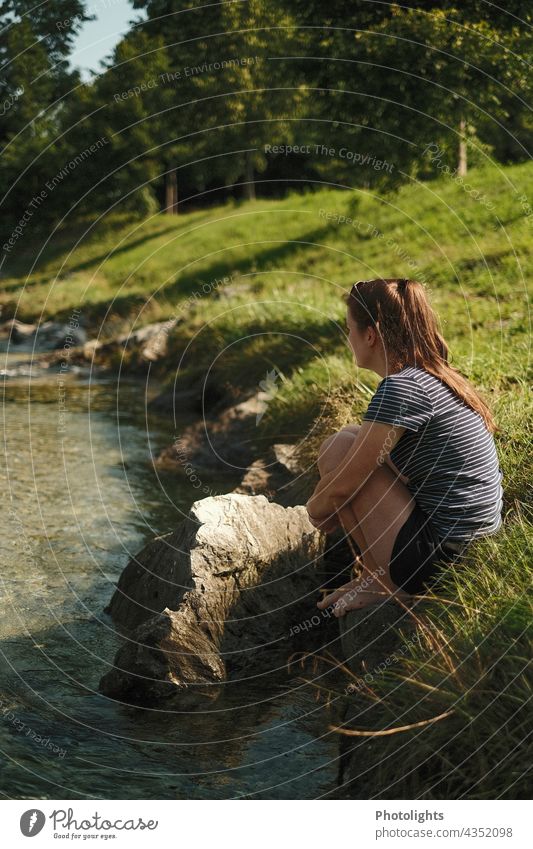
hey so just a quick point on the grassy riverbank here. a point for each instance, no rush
(256, 287)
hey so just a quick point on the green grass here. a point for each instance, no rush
(471, 667)
(282, 311)
(288, 266)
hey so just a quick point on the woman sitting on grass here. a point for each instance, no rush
(419, 478)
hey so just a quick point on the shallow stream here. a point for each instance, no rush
(81, 496)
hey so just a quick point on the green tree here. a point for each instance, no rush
(179, 110)
(265, 100)
(35, 40)
(218, 99)
(417, 74)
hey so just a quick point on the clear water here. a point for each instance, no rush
(77, 505)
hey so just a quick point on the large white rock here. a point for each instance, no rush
(220, 592)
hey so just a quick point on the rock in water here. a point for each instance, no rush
(48, 336)
(221, 592)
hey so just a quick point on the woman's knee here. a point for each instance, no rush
(353, 429)
(333, 449)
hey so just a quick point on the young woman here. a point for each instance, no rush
(419, 479)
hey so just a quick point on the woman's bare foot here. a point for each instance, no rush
(352, 596)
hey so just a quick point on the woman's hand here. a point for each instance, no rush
(325, 521)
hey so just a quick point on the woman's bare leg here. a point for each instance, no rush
(354, 430)
(373, 518)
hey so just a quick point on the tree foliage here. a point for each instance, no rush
(195, 98)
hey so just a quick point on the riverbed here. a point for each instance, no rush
(82, 496)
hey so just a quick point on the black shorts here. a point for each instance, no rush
(419, 553)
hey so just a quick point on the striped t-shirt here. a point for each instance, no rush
(447, 453)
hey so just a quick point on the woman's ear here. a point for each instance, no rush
(372, 334)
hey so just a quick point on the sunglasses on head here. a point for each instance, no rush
(401, 282)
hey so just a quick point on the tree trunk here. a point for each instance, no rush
(462, 166)
(171, 192)
(249, 182)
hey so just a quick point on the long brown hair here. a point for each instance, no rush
(408, 328)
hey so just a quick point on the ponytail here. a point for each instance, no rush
(408, 327)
